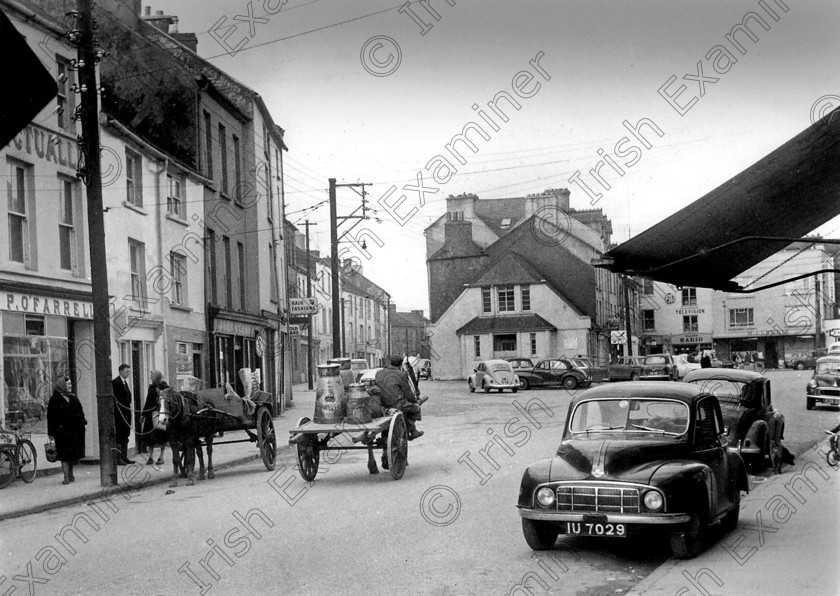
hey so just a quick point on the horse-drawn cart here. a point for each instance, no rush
(387, 432)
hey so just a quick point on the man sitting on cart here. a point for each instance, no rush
(395, 392)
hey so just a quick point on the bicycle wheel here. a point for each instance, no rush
(27, 460)
(7, 468)
(831, 458)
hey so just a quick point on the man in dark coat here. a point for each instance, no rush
(395, 392)
(122, 413)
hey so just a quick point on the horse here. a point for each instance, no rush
(187, 422)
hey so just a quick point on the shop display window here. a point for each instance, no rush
(31, 363)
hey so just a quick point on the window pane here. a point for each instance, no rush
(65, 246)
(16, 238)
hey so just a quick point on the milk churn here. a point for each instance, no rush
(345, 370)
(330, 400)
(358, 410)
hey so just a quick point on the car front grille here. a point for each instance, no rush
(832, 391)
(600, 499)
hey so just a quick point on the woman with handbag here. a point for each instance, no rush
(154, 435)
(66, 426)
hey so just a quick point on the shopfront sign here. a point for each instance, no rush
(690, 311)
(690, 339)
(303, 306)
(44, 305)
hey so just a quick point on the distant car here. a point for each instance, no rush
(358, 366)
(807, 359)
(597, 374)
(553, 372)
(824, 386)
(684, 366)
(659, 367)
(520, 364)
(425, 368)
(493, 374)
(834, 348)
(626, 368)
(749, 417)
(636, 456)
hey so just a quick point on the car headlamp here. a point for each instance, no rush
(545, 497)
(812, 383)
(653, 500)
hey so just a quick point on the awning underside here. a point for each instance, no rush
(765, 208)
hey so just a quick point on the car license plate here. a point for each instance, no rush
(596, 529)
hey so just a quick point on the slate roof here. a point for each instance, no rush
(502, 323)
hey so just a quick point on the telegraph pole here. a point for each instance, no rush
(336, 329)
(627, 325)
(96, 235)
(818, 340)
(309, 295)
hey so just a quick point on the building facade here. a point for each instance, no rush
(410, 333)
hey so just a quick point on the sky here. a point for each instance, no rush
(367, 93)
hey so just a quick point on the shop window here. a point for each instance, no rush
(31, 363)
(33, 325)
(19, 187)
(505, 298)
(67, 225)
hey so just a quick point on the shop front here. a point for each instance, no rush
(243, 342)
(686, 343)
(45, 337)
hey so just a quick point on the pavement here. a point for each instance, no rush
(47, 492)
(787, 540)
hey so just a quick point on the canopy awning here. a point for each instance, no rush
(773, 203)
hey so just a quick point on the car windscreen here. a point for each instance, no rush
(501, 367)
(723, 389)
(830, 367)
(637, 415)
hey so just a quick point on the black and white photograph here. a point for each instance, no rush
(434, 297)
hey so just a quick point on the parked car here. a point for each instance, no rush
(626, 368)
(659, 367)
(358, 366)
(596, 374)
(807, 359)
(425, 369)
(824, 386)
(834, 348)
(520, 364)
(635, 457)
(553, 372)
(684, 366)
(749, 417)
(493, 374)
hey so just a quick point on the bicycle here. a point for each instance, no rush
(17, 456)
(833, 455)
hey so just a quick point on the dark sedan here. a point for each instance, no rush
(553, 372)
(636, 456)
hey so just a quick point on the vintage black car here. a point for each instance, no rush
(660, 367)
(824, 386)
(626, 368)
(750, 419)
(634, 457)
(552, 372)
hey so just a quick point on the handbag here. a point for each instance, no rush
(50, 451)
(156, 423)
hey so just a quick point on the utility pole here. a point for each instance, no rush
(818, 318)
(343, 347)
(309, 295)
(96, 237)
(628, 328)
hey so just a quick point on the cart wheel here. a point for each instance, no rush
(28, 460)
(307, 454)
(397, 446)
(266, 438)
(7, 468)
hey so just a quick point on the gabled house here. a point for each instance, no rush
(409, 333)
(512, 277)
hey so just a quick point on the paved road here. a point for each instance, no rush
(448, 527)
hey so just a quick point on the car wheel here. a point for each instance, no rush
(539, 535)
(810, 403)
(799, 366)
(524, 384)
(634, 377)
(730, 520)
(687, 540)
(485, 387)
(472, 387)
(570, 382)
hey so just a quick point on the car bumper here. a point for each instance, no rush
(662, 377)
(503, 385)
(817, 393)
(648, 519)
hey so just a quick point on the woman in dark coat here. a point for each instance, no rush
(154, 438)
(66, 426)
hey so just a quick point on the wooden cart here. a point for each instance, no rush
(388, 432)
